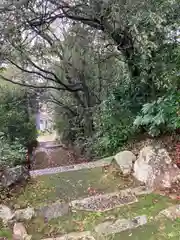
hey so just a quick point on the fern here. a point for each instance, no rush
(160, 116)
(138, 121)
(148, 108)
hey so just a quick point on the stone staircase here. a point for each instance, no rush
(75, 167)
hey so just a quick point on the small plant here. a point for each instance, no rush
(11, 154)
(160, 116)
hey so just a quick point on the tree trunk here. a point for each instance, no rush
(126, 47)
(88, 123)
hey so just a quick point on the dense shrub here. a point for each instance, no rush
(17, 126)
(160, 116)
(11, 154)
(114, 124)
(15, 118)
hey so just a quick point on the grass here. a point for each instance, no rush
(5, 232)
(67, 186)
(73, 185)
(161, 230)
(149, 205)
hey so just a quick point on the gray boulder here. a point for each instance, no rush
(10, 176)
(172, 212)
(120, 225)
(24, 214)
(154, 167)
(5, 214)
(20, 233)
(125, 161)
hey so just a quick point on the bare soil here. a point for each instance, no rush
(169, 142)
(56, 157)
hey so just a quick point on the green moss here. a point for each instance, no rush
(163, 230)
(67, 186)
(5, 232)
(74, 185)
(149, 205)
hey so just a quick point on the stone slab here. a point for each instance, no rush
(172, 213)
(105, 202)
(76, 167)
(54, 210)
(120, 225)
(74, 236)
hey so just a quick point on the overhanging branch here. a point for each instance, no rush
(30, 85)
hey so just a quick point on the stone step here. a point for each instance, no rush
(74, 236)
(58, 209)
(53, 210)
(105, 229)
(50, 144)
(47, 171)
(105, 202)
(120, 225)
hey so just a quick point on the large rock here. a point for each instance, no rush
(54, 210)
(24, 214)
(20, 233)
(125, 161)
(11, 176)
(172, 213)
(5, 214)
(154, 167)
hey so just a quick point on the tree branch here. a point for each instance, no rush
(59, 103)
(31, 72)
(66, 10)
(73, 87)
(29, 85)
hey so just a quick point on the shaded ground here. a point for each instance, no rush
(78, 184)
(55, 157)
(51, 153)
(68, 186)
(71, 185)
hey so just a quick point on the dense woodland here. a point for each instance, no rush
(110, 69)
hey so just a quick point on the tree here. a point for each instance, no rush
(135, 27)
(95, 69)
(139, 38)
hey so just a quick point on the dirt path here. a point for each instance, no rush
(51, 154)
(47, 137)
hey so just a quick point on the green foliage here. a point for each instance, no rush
(11, 154)
(160, 116)
(16, 121)
(17, 126)
(118, 80)
(114, 124)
